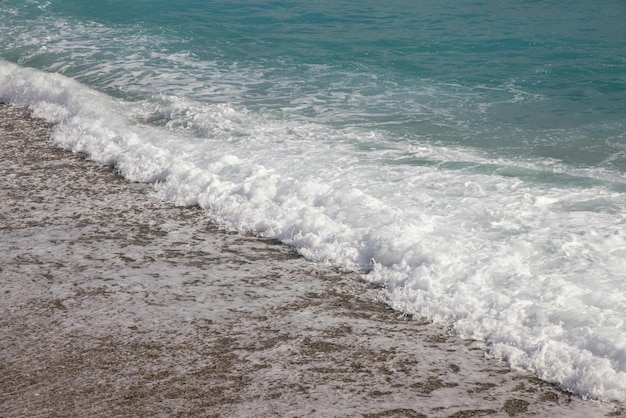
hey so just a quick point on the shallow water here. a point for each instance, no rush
(116, 303)
(467, 157)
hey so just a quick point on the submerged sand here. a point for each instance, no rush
(115, 303)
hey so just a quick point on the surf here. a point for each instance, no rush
(473, 203)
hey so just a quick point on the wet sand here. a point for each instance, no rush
(115, 303)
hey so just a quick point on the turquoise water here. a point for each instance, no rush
(468, 156)
(528, 79)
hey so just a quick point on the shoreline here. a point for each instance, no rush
(118, 303)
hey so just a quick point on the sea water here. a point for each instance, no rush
(469, 157)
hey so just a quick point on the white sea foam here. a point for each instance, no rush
(536, 269)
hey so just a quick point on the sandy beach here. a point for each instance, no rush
(116, 303)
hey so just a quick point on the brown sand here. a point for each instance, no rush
(115, 303)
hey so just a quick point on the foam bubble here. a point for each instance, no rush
(533, 268)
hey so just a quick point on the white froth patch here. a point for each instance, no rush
(534, 270)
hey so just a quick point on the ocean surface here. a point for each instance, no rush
(469, 157)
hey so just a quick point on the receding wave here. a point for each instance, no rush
(534, 268)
